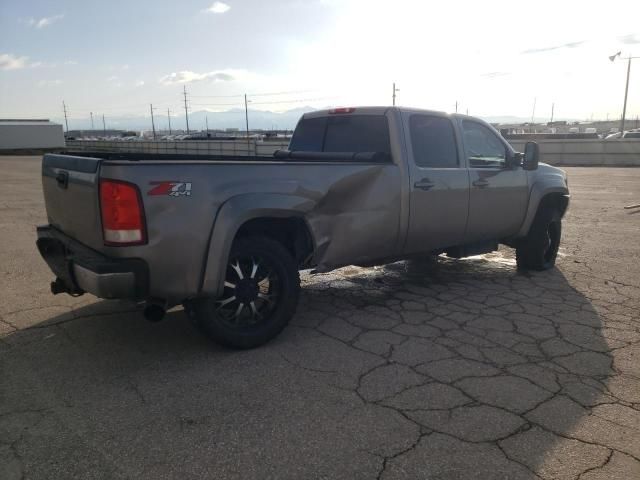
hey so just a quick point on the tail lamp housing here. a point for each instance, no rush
(122, 211)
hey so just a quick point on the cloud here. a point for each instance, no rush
(44, 21)
(495, 74)
(218, 8)
(48, 83)
(11, 62)
(631, 39)
(554, 47)
(114, 80)
(186, 76)
(71, 62)
(139, 83)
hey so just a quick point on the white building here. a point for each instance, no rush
(30, 134)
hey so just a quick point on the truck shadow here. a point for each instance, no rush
(518, 361)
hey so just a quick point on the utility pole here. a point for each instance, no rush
(186, 111)
(553, 105)
(91, 113)
(246, 119)
(66, 122)
(104, 126)
(533, 113)
(206, 122)
(169, 118)
(394, 93)
(456, 106)
(153, 124)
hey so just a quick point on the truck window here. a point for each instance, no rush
(484, 149)
(309, 135)
(357, 133)
(433, 142)
(342, 133)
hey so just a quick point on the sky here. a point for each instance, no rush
(494, 58)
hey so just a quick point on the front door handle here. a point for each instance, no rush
(480, 183)
(424, 185)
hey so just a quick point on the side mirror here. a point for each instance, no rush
(531, 156)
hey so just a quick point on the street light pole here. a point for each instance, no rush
(626, 94)
(626, 88)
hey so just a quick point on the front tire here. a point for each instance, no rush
(539, 249)
(261, 291)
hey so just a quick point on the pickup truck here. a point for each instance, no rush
(226, 237)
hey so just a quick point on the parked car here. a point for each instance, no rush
(635, 133)
(226, 236)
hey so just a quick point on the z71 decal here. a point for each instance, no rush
(173, 189)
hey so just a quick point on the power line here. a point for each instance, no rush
(291, 92)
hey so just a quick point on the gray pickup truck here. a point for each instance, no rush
(227, 236)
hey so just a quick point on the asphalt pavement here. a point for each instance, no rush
(465, 369)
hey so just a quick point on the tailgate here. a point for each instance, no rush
(70, 186)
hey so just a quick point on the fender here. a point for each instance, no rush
(231, 216)
(543, 186)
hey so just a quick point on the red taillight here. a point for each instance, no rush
(343, 110)
(122, 213)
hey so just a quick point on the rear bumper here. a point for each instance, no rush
(79, 269)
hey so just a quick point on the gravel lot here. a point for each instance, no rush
(463, 370)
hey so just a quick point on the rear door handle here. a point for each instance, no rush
(480, 183)
(424, 185)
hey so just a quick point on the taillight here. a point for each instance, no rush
(342, 110)
(122, 213)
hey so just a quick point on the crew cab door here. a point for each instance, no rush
(499, 191)
(439, 183)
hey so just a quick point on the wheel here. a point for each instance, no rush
(261, 291)
(539, 249)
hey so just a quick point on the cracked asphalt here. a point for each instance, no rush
(459, 370)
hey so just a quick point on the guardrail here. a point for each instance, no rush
(582, 152)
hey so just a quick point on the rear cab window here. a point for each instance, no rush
(342, 133)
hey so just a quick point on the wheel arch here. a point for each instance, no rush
(277, 216)
(543, 196)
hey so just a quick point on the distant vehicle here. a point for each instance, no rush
(635, 133)
(590, 130)
(226, 236)
(574, 130)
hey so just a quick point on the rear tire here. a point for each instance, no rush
(262, 286)
(539, 249)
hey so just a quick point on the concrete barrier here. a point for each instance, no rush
(583, 152)
(586, 152)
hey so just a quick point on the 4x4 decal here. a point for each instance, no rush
(173, 189)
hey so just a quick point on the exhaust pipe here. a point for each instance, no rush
(154, 312)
